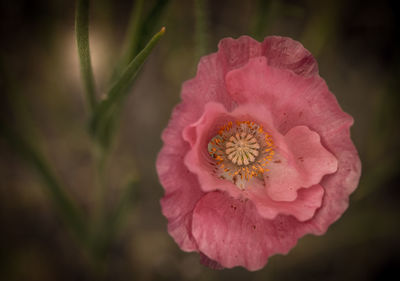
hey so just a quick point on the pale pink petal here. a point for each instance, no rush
(292, 100)
(304, 163)
(286, 53)
(207, 86)
(186, 190)
(337, 186)
(341, 184)
(232, 232)
(303, 208)
(235, 53)
(281, 52)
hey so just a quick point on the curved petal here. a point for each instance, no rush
(286, 53)
(180, 185)
(235, 53)
(341, 184)
(292, 100)
(232, 232)
(207, 86)
(302, 166)
(337, 186)
(303, 208)
(281, 52)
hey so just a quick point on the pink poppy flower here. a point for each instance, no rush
(256, 155)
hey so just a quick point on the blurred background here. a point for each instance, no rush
(357, 46)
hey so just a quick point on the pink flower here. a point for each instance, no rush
(256, 155)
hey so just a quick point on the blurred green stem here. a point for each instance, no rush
(68, 210)
(132, 69)
(132, 39)
(116, 218)
(82, 40)
(265, 14)
(105, 111)
(139, 30)
(133, 34)
(101, 191)
(201, 27)
(152, 22)
(261, 19)
(321, 26)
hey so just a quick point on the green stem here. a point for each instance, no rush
(263, 17)
(100, 155)
(152, 22)
(116, 218)
(132, 40)
(321, 26)
(82, 40)
(133, 34)
(129, 195)
(132, 69)
(201, 27)
(106, 109)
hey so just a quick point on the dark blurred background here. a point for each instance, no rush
(357, 46)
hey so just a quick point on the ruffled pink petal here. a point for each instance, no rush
(235, 53)
(303, 208)
(303, 165)
(337, 186)
(292, 100)
(180, 185)
(186, 191)
(341, 184)
(231, 232)
(286, 53)
(281, 52)
(207, 86)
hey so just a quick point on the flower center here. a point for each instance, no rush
(240, 151)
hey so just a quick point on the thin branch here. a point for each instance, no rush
(201, 27)
(82, 40)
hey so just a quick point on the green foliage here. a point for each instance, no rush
(95, 238)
